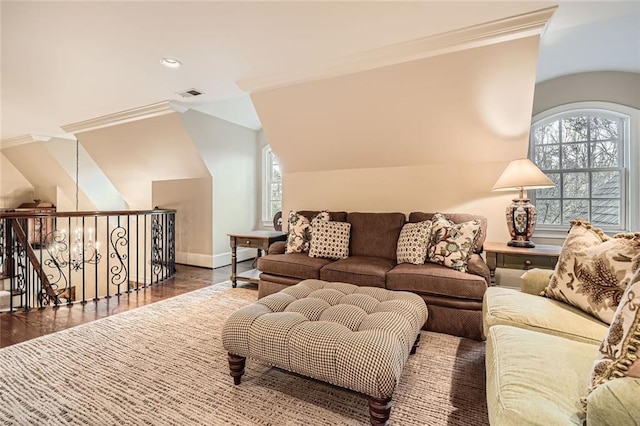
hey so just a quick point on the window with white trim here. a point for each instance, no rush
(272, 185)
(586, 153)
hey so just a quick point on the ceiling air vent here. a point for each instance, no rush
(190, 93)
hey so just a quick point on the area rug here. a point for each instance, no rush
(163, 364)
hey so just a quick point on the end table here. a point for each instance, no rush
(260, 240)
(500, 255)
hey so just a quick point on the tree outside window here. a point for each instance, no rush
(582, 152)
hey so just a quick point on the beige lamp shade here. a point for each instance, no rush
(522, 174)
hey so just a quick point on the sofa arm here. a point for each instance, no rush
(535, 280)
(614, 403)
(477, 266)
(277, 248)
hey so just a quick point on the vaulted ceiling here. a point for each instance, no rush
(65, 62)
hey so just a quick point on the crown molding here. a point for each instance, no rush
(498, 31)
(23, 140)
(134, 114)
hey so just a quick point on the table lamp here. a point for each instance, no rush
(521, 214)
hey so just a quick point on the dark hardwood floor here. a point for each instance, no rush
(20, 326)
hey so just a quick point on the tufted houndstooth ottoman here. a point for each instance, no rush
(350, 336)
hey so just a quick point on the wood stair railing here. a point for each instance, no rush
(35, 263)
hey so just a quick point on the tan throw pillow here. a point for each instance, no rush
(451, 244)
(581, 236)
(592, 274)
(330, 239)
(299, 232)
(619, 352)
(413, 242)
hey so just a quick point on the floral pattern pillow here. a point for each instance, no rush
(618, 353)
(330, 239)
(299, 232)
(593, 270)
(413, 242)
(451, 244)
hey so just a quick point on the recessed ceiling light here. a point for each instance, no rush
(170, 62)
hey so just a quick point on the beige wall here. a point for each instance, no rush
(605, 86)
(47, 181)
(133, 155)
(428, 188)
(192, 198)
(15, 189)
(428, 135)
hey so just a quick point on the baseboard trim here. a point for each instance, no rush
(194, 259)
(215, 261)
(224, 259)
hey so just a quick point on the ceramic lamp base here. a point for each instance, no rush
(521, 221)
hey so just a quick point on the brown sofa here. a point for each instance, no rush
(454, 298)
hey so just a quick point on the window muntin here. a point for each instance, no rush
(582, 152)
(272, 186)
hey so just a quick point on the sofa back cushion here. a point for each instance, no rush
(335, 216)
(457, 218)
(375, 234)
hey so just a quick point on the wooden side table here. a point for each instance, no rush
(500, 255)
(260, 240)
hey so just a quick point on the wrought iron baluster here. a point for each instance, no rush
(119, 238)
(156, 246)
(172, 243)
(95, 269)
(145, 250)
(128, 256)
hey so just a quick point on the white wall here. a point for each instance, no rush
(262, 143)
(229, 152)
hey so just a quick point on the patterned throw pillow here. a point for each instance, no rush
(330, 239)
(299, 233)
(618, 353)
(593, 270)
(451, 244)
(601, 274)
(413, 242)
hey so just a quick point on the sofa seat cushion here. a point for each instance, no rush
(296, 265)
(436, 280)
(536, 378)
(510, 307)
(359, 270)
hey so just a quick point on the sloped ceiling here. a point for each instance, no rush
(30, 159)
(466, 107)
(133, 155)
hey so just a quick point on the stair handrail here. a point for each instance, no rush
(33, 258)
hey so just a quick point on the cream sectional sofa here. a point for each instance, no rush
(539, 358)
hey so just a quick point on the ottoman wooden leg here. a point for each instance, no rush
(415, 345)
(236, 365)
(379, 410)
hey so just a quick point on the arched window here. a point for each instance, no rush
(585, 149)
(272, 186)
